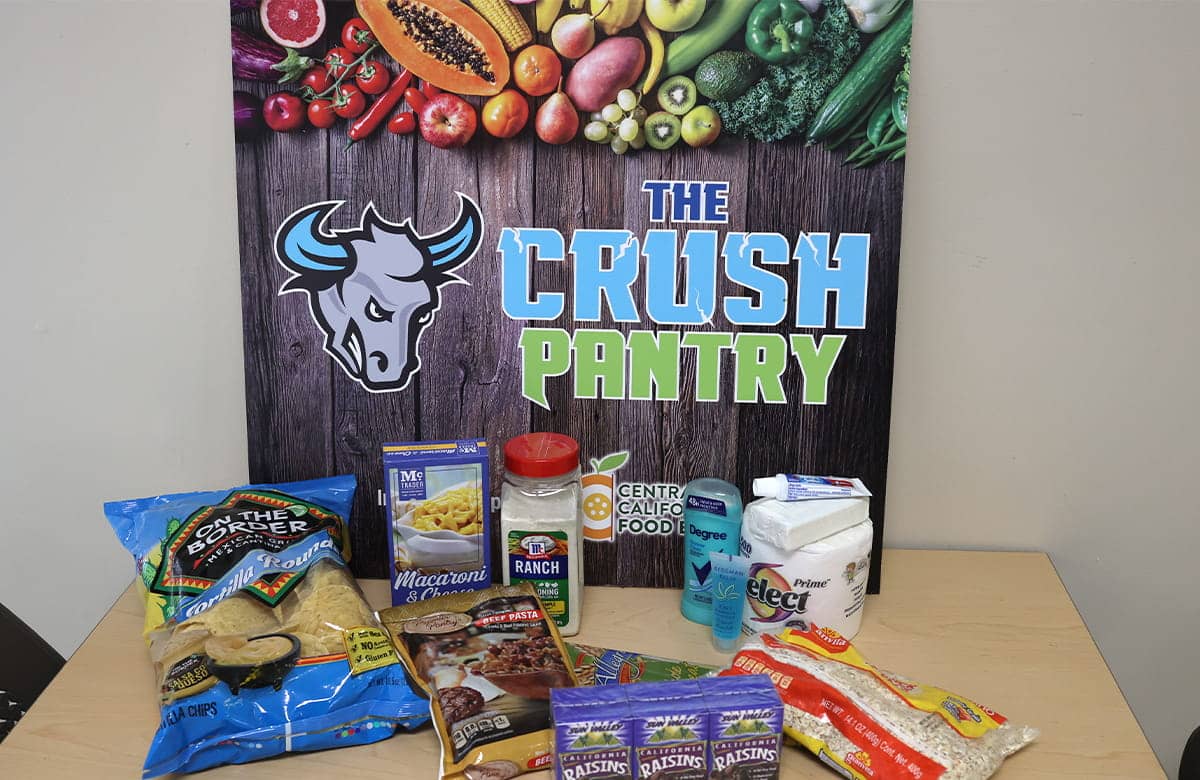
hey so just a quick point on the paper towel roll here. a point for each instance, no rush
(823, 583)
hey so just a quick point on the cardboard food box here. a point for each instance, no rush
(439, 525)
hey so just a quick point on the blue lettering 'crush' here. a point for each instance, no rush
(848, 279)
(740, 251)
(700, 293)
(593, 279)
(517, 297)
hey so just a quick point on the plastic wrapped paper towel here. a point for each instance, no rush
(808, 564)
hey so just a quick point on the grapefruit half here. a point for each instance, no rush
(294, 23)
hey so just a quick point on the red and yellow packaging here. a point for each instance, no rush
(874, 725)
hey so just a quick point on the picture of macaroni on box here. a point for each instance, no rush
(440, 525)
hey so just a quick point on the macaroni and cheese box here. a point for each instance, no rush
(440, 529)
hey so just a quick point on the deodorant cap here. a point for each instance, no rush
(765, 487)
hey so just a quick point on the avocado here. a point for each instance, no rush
(725, 75)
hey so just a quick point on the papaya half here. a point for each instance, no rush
(444, 42)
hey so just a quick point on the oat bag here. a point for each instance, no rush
(866, 723)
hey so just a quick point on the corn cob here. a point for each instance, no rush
(507, 20)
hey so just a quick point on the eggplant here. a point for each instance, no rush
(247, 115)
(240, 6)
(260, 60)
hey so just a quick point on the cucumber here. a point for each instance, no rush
(877, 65)
(722, 20)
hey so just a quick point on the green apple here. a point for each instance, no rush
(701, 126)
(674, 15)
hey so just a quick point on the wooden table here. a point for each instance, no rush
(997, 627)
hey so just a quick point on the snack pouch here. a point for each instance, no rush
(488, 659)
(866, 723)
(602, 666)
(262, 641)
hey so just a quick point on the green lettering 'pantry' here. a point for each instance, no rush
(680, 275)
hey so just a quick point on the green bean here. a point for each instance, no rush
(890, 134)
(865, 147)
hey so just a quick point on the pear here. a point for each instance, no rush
(557, 121)
(574, 35)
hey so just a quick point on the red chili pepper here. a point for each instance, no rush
(429, 89)
(374, 115)
(416, 100)
(403, 123)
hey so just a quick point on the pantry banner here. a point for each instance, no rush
(667, 228)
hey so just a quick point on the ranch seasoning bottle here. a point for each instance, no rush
(541, 523)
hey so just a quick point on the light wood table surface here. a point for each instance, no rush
(997, 627)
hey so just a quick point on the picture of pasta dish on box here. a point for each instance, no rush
(443, 532)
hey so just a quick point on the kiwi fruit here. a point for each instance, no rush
(677, 95)
(662, 130)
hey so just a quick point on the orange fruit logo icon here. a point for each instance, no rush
(599, 495)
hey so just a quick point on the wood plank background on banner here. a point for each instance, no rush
(306, 418)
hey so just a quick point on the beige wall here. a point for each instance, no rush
(1047, 353)
(1046, 356)
(122, 345)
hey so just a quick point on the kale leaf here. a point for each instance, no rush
(784, 101)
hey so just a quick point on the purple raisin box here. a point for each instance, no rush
(592, 734)
(745, 723)
(670, 730)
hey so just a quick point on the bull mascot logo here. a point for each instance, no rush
(373, 289)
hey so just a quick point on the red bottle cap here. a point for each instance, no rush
(541, 455)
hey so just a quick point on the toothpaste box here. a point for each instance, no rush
(745, 721)
(592, 734)
(440, 527)
(670, 730)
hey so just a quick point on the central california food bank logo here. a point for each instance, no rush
(599, 496)
(613, 507)
(373, 289)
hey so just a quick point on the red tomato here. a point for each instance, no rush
(283, 112)
(338, 60)
(317, 79)
(320, 113)
(403, 123)
(348, 101)
(356, 36)
(372, 77)
(416, 100)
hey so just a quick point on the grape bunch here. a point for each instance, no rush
(618, 124)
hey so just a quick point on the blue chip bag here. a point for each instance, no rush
(262, 640)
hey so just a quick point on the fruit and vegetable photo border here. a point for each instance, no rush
(667, 228)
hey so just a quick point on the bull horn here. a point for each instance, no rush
(457, 244)
(302, 244)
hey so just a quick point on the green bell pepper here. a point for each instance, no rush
(779, 31)
(900, 110)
